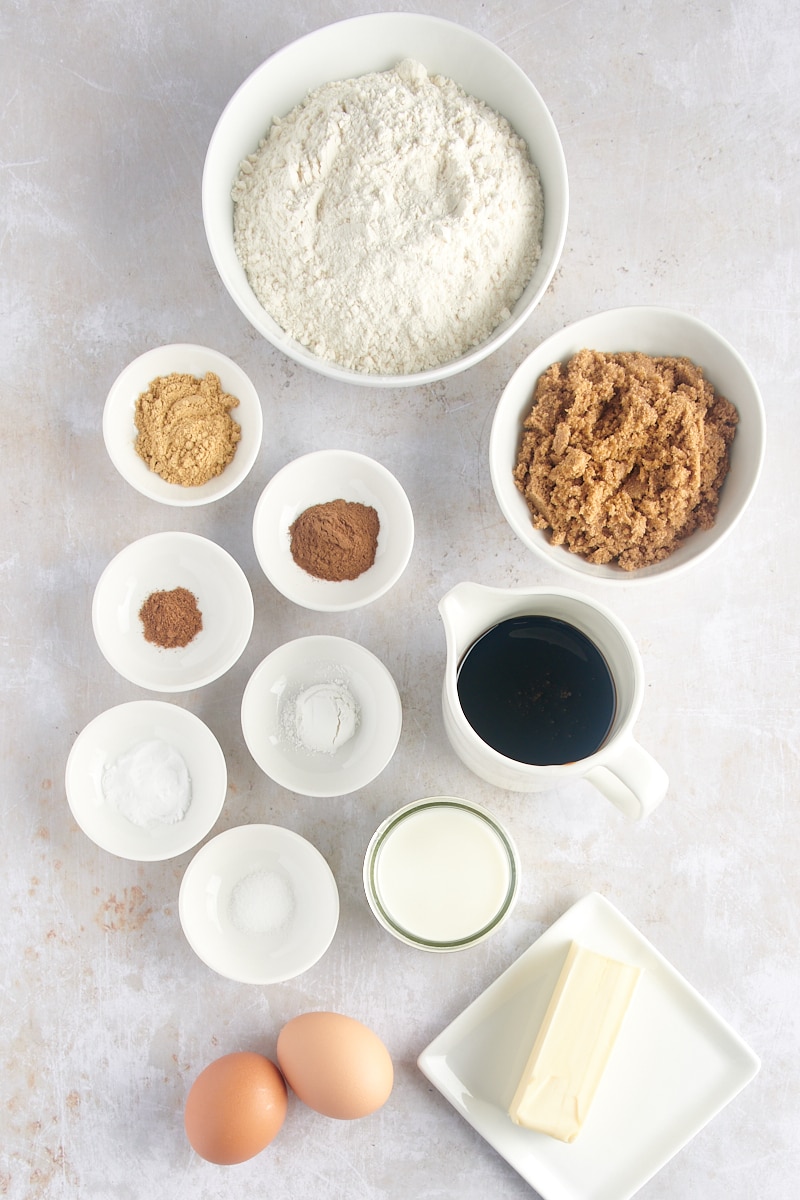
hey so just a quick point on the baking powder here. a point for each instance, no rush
(389, 223)
(323, 717)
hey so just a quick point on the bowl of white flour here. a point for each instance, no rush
(386, 199)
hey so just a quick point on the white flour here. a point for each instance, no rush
(389, 223)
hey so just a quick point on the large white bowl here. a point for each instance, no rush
(119, 429)
(346, 50)
(300, 664)
(161, 562)
(112, 734)
(317, 478)
(655, 331)
(266, 955)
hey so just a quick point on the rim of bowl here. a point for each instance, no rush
(559, 556)
(231, 273)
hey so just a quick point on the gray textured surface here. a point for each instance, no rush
(679, 123)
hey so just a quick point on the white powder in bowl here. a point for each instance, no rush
(261, 902)
(321, 717)
(389, 223)
(325, 717)
(149, 784)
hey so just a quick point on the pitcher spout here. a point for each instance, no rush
(463, 611)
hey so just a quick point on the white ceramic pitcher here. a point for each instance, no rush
(625, 773)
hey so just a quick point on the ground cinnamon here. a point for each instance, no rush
(171, 619)
(335, 541)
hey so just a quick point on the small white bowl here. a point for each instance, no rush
(315, 479)
(346, 50)
(119, 429)
(293, 926)
(115, 732)
(654, 331)
(267, 711)
(161, 562)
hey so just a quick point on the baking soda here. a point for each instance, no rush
(149, 784)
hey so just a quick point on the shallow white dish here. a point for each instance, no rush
(290, 669)
(655, 331)
(112, 734)
(161, 562)
(119, 429)
(272, 955)
(345, 50)
(675, 1066)
(317, 478)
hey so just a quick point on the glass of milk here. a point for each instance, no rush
(441, 874)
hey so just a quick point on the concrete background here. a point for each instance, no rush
(680, 127)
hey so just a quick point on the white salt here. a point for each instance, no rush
(261, 902)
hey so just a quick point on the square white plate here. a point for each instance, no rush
(675, 1066)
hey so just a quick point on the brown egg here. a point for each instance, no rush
(235, 1107)
(335, 1064)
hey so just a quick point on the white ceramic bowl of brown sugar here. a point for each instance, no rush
(172, 612)
(445, 189)
(333, 530)
(658, 333)
(183, 424)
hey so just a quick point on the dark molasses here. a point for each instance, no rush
(537, 690)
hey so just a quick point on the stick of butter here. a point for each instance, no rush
(573, 1046)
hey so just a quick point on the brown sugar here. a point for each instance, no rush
(623, 455)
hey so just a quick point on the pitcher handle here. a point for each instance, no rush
(631, 779)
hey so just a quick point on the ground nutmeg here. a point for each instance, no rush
(172, 618)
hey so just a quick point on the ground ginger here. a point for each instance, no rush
(186, 433)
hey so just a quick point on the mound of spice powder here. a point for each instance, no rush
(335, 541)
(185, 431)
(171, 618)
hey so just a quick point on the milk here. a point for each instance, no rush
(442, 873)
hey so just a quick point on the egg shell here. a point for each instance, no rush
(235, 1107)
(335, 1065)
